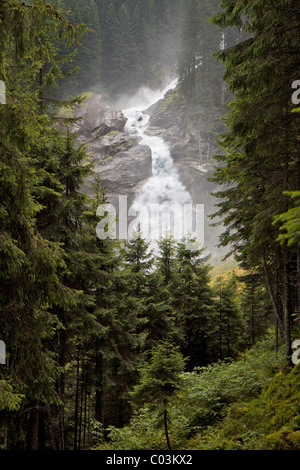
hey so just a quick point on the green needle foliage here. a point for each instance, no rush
(149, 348)
(290, 221)
(260, 158)
(159, 380)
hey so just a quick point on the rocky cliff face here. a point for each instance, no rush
(191, 153)
(192, 156)
(118, 158)
(124, 165)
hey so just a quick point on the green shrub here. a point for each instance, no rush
(249, 404)
(209, 391)
(283, 440)
(267, 422)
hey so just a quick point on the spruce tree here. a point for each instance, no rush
(229, 324)
(30, 284)
(193, 302)
(159, 380)
(87, 54)
(261, 158)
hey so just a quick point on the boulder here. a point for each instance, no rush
(98, 117)
(111, 144)
(126, 170)
(122, 164)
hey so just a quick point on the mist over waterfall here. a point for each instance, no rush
(164, 188)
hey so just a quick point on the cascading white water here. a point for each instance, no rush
(164, 188)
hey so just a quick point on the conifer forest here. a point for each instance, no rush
(136, 343)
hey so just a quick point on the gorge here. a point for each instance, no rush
(142, 150)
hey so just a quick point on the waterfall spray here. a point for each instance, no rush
(164, 187)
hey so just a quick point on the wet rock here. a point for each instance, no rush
(111, 144)
(122, 164)
(126, 170)
(98, 118)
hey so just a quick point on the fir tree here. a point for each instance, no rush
(228, 320)
(30, 263)
(87, 54)
(261, 158)
(193, 301)
(159, 380)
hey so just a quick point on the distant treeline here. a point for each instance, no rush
(129, 44)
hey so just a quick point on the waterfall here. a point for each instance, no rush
(164, 188)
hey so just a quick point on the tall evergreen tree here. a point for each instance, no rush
(201, 86)
(31, 287)
(261, 158)
(193, 301)
(159, 380)
(229, 323)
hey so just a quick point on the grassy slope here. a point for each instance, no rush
(269, 421)
(249, 404)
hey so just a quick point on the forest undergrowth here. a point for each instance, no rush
(252, 403)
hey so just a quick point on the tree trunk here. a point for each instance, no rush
(5, 445)
(278, 269)
(76, 404)
(42, 431)
(51, 431)
(166, 429)
(200, 140)
(298, 279)
(99, 414)
(62, 385)
(252, 323)
(85, 407)
(272, 296)
(41, 81)
(33, 432)
(228, 335)
(220, 336)
(81, 406)
(276, 338)
(220, 324)
(287, 304)
(121, 414)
